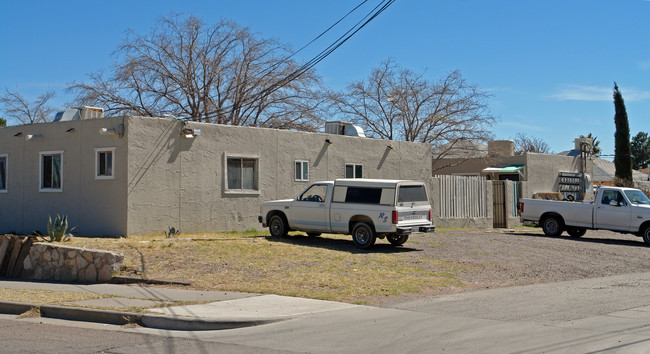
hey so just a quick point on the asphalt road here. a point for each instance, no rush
(57, 336)
(610, 314)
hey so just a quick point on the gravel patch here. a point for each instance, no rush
(507, 257)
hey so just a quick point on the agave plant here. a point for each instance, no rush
(172, 232)
(58, 230)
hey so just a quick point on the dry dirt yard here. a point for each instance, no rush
(332, 268)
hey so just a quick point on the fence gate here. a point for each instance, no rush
(499, 203)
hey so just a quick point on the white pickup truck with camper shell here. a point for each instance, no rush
(625, 210)
(363, 208)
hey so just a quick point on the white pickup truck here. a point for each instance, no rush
(624, 210)
(364, 208)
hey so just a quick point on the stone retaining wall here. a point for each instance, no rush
(49, 261)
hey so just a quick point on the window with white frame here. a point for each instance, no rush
(4, 169)
(51, 171)
(104, 163)
(241, 173)
(302, 171)
(353, 170)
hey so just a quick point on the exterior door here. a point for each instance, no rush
(608, 216)
(499, 204)
(310, 211)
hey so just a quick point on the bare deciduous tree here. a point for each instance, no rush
(219, 74)
(525, 143)
(25, 112)
(399, 104)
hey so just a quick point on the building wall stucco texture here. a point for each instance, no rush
(543, 170)
(181, 183)
(93, 206)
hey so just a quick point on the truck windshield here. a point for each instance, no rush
(412, 194)
(637, 197)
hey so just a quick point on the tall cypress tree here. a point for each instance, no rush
(622, 150)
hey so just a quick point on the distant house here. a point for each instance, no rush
(139, 175)
(568, 174)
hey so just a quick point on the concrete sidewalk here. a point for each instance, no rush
(218, 310)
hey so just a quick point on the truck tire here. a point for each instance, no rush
(576, 232)
(397, 240)
(278, 226)
(645, 233)
(552, 226)
(363, 235)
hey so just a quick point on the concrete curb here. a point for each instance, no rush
(72, 313)
(201, 324)
(123, 318)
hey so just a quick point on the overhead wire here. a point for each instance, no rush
(376, 11)
(315, 39)
(331, 48)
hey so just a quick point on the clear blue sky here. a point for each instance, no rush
(550, 65)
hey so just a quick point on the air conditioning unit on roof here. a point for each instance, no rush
(339, 127)
(77, 113)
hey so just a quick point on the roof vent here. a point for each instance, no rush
(77, 113)
(339, 127)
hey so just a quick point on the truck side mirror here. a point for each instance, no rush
(614, 203)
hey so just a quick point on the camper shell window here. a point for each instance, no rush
(414, 193)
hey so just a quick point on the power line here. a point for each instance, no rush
(376, 11)
(317, 37)
(332, 47)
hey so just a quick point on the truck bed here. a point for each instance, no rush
(578, 214)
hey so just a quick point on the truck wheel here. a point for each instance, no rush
(552, 226)
(363, 235)
(646, 235)
(278, 226)
(576, 231)
(397, 240)
(313, 234)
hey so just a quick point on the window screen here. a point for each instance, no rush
(105, 163)
(353, 171)
(242, 173)
(51, 171)
(3, 173)
(302, 171)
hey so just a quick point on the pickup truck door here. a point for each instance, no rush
(612, 211)
(310, 211)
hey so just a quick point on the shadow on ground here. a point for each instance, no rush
(381, 246)
(607, 241)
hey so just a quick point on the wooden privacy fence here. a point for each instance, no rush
(463, 197)
(13, 251)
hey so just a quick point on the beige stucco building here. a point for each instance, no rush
(569, 175)
(139, 175)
